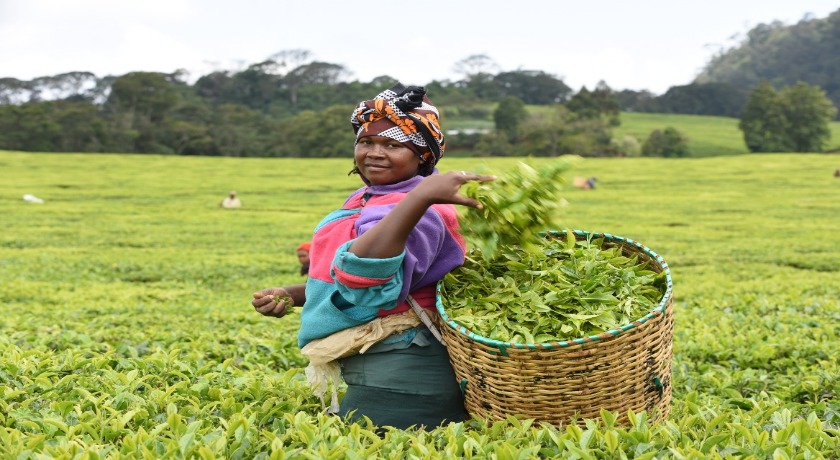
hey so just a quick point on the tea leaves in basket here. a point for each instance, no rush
(561, 289)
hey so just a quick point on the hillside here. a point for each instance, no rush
(707, 135)
(783, 55)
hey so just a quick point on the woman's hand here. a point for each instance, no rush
(444, 188)
(387, 238)
(274, 302)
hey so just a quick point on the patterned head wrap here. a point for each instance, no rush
(405, 115)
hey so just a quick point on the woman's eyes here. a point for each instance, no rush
(391, 145)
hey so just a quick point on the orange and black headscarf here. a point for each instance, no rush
(405, 115)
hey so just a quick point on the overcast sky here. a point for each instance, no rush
(642, 44)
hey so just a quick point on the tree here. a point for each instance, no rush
(82, 127)
(188, 129)
(291, 59)
(255, 87)
(476, 64)
(28, 127)
(558, 131)
(478, 75)
(783, 55)
(637, 101)
(543, 134)
(14, 91)
(138, 104)
(310, 74)
(214, 87)
(509, 115)
(763, 121)
(63, 86)
(601, 103)
(238, 131)
(720, 99)
(532, 87)
(808, 112)
(319, 134)
(667, 143)
(797, 119)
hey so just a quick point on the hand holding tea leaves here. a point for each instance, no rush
(515, 207)
(273, 301)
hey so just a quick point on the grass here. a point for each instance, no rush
(126, 329)
(707, 135)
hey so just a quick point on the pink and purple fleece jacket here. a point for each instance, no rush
(344, 290)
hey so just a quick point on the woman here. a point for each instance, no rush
(385, 248)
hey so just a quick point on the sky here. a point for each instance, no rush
(639, 45)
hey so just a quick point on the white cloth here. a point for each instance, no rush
(323, 371)
(32, 198)
(231, 203)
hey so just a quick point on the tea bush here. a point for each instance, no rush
(126, 329)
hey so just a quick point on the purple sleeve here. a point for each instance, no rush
(430, 251)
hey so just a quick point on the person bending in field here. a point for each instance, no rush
(303, 257)
(384, 248)
(231, 201)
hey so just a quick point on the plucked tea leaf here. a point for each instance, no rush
(518, 205)
(566, 291)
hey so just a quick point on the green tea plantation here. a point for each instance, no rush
(126, 330)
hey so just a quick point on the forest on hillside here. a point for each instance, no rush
(270, 107)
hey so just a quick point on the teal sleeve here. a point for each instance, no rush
(366, 285)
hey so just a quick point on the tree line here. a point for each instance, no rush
(286, 106)
(293, 106)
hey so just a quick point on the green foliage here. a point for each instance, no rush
(494, 144)
(521, 202)
(764, 123)
(126, 329)
(702, 99)
(808, 112)
(555, 131)
(783, 55)
(668, 143)
(226, 114)
(532, 87)
(707, 136)
(628, 146)
(322, 134)
(509, 115)
(558, 289)
(29, 125)
(139, 103)
(600, 103)
(793, 120)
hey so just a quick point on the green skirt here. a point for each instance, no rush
(403, 387)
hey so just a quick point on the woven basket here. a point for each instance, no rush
(628, 368)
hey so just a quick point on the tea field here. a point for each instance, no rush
(126, 329)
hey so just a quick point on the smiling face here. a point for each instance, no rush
(382, 160)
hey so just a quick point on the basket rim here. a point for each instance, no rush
(657, 311)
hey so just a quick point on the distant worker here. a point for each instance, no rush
(584, 183)
(32, 199)
(231, 201)
(303, 257)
